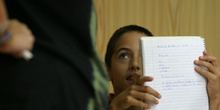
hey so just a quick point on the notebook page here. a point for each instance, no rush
(169, 60)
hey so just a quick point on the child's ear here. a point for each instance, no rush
(109, 72)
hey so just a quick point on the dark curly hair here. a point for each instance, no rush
(118, 33)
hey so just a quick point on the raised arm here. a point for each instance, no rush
(213, 77)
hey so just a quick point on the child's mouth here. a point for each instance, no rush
(130, 79)
(133, 78)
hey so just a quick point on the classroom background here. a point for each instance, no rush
(162, 18)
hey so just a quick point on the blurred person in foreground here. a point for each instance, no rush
(66, 72)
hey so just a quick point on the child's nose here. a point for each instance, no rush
(135, 64)
(135, 67)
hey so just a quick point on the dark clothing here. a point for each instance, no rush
(66, 72)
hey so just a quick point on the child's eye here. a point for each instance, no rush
(123, 56)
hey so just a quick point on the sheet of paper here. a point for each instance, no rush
(169, 60)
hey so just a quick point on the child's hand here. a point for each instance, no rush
(213, 76)
(134, 95)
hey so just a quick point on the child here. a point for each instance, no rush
(123, 61)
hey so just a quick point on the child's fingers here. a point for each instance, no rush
(208, 65)
(138, 103)
(145, 96)
(207, 53)
(205, 73)
(144, 79)
(211, 59)
(146, 89)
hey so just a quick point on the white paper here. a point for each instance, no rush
(169, 60)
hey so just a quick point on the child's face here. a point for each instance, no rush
(126, 61)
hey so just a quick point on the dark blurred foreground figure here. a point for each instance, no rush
(66, 72)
